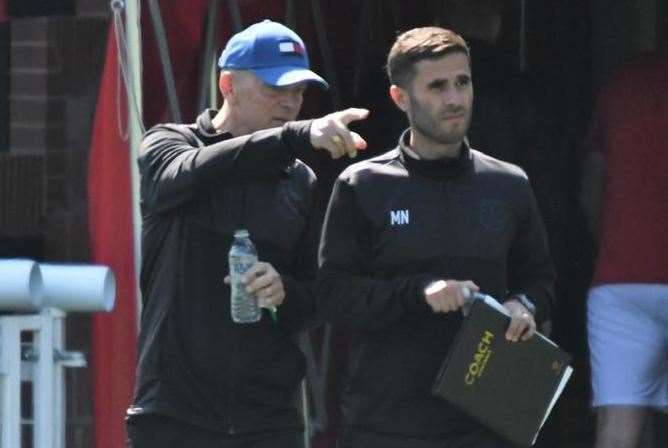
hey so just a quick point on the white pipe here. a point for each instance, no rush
(21, 285)
(78, 288)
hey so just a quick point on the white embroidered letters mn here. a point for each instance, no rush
(399, 217)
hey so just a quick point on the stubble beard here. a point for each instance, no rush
(433, 129)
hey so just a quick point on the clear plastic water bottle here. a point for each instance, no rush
(243, 306)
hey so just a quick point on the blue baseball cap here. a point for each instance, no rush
(274, 52)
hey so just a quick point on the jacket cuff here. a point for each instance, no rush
(297, 135)
(415, 300)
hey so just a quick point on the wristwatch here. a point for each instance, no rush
(524, 300)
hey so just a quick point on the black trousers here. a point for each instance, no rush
(158, 431)
(364, 439)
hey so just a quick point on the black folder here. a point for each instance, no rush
(509, 387)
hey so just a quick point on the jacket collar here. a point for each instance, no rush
(205, 127)
(444, 168)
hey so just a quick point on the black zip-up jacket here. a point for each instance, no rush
(197, 188)
(394, 224)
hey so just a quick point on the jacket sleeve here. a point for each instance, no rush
(346, 291)
(173, 165)
(530, 266)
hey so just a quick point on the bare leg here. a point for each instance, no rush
(620, 426)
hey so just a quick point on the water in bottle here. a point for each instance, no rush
(243, 306)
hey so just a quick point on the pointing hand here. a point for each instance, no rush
(332, 134)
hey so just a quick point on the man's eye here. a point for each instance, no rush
(463, 82)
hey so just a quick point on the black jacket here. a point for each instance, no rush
(197, 188)
(393, 225)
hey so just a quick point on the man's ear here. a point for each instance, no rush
(399, 97)
(225, 84)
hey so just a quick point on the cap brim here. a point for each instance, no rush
(285, 76)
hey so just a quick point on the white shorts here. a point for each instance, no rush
(628, 344)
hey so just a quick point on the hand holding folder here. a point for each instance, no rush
(510, 387)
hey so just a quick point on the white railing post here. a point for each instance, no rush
(42, 364)
(42, 379)
(10, 380)
(34, 299)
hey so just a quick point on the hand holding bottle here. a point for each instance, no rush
(265, 283)
(255, 284)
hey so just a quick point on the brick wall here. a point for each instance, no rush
(55, 67)
(21, 196)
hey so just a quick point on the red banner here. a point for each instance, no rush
(110, 219)
(4, 17)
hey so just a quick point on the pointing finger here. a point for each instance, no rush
(352, 114)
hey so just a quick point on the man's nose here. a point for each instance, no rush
(453, 97)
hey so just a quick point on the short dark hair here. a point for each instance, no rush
(419, 44)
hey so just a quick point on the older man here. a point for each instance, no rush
(203, 380)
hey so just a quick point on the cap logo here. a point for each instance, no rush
(289, 48)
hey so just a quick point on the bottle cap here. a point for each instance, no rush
(241, 233)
